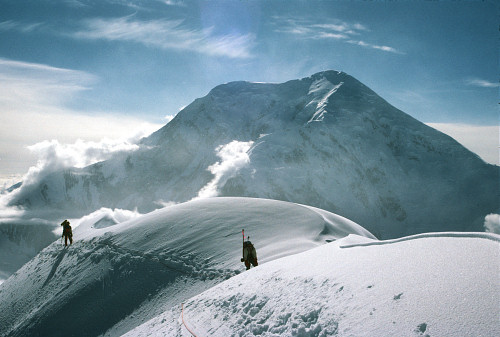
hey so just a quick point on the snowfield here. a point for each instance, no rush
(444, 284)
(319, 274)
(116, 276)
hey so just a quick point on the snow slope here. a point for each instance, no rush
(437, 284)
(116, 276)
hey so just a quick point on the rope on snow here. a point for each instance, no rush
(183, 322)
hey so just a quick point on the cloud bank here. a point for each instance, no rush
(234, 156)
(54, 156)
(482, 140)
(34, 101)
(79, 154)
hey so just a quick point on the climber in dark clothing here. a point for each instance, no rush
(249, 255)
(67, 232)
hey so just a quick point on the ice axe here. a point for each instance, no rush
(243, 247)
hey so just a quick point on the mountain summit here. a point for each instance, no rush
(327, 141)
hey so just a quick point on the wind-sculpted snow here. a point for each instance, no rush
(319, 88)
(486, 236)
(431, 285)
(118, 275)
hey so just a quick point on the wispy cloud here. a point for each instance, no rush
(19, 26)
(174, 3)
(333, 30)
(75, 3)
(167, 34)
(36, 87)
(482, 83)
(374, 46)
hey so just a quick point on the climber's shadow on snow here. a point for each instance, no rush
(58, 261)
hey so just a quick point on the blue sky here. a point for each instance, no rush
(92, 69)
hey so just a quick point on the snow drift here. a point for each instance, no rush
(439, 284)
(117, 276)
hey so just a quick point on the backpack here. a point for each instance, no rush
(66, 227)
(249, 247)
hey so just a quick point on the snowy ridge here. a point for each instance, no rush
(365, 160)
(118, 275)
(319, 274)
(434, 285)
(479, 235)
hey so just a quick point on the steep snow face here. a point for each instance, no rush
(428, 285)
(330, 142)
(118, 275)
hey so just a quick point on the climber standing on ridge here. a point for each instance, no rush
(67, 232)
(249, 252)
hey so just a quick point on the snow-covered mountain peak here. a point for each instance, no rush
(320, 86)
(284, 159)
(366, 160)
(334, 76)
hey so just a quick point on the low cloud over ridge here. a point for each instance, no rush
(234, 156)
(492, 223)
(34, 101)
